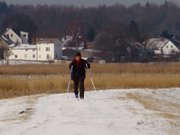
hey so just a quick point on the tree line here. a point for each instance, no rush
(106, 25)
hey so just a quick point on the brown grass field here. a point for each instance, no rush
(21, 80)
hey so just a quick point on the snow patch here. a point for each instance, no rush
(109, 112)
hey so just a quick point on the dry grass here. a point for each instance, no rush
(166, 109)
(18, 87)
(53, 78)
(34, 69)
(137, 81)
(11, 87)
(173, 68)
(109, 68)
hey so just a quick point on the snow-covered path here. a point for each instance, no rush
(111, 112)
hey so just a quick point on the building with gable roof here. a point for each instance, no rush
(161, 46)
(44, 49)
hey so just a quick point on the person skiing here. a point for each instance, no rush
(78, 68)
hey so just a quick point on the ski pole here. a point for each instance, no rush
(91, 78)
(90, 75)
(69, 81)
(68, 86)
(92, 83)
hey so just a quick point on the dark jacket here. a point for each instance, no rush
(78, 69)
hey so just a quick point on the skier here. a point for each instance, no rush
(78, 68)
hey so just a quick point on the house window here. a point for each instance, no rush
(40, 56)
(25, 56)
(171, 46)
(24, 35)
(48, 56)
(47, 49)
(16, 56)
(166, 46)
(26, 49)
(34, 55)
(33, 50)
(11, 35)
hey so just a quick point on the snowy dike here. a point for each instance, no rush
(108, 112)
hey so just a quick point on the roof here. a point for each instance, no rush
(65, 40)
(137, 45)
(91, 50)
(45, 40)
(23, 32)
(156, 43)
(6, 40)
(24, 46)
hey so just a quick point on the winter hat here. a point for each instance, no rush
(78, 54)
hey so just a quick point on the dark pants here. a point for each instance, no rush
(79, 83)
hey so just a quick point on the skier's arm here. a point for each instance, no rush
(87, 65)
(70, 65)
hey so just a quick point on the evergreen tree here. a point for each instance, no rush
(91, 35)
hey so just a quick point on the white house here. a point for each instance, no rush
(48, 49)
(161, 46)
(44, 50)
(9, 33)
(24, 52)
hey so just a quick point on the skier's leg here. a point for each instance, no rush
(76, 84)
(81, 88)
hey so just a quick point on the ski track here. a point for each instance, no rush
(108, 112)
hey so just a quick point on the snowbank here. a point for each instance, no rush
(111, 112)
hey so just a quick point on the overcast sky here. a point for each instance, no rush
(86, 3)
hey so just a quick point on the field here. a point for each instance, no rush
(20, 80)
(131, 99)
